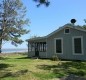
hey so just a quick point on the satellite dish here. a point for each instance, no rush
(73, 21)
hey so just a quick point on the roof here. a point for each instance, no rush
(36, 38)
(59, 29)
(67, 26)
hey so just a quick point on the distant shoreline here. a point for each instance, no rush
(14, 50)
(14, 53)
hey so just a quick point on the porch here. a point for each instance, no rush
(37, 47)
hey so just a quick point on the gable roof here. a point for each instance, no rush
(66, 26)
(59, 29)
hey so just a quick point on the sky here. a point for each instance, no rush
(44, 20)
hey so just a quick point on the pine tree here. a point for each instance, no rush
(45, 2)
(12, 21)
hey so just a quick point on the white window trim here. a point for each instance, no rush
(55, 44)
(81, 45)
(69, 31)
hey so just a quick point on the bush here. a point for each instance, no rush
(55, 58)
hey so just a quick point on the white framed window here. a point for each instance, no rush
(77, 42)
(58, 43)
(66, 30)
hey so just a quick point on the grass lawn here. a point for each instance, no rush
(19, 67)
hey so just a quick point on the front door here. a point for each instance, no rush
(36, 50)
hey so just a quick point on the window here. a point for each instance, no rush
(37, 46)
(42, 46)
(67, 31)
(31, 47)
(58, 45)
(77, 45)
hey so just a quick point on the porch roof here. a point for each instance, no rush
(37, 39)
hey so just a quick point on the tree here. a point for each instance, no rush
(84, 26)
(45, 2)
(12, 21)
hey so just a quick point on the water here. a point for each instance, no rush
(14, 50)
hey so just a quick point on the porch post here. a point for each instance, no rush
(43, 47)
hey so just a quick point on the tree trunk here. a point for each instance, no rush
(0, 45)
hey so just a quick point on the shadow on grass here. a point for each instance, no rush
(11, 74)
(66, 68)
(3, 66)
(72, 77)
(4, 58)
(23, 58)
(24, 53)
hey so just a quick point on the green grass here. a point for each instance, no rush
(19, 67)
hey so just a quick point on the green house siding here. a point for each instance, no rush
(67, 38)
(67, 44)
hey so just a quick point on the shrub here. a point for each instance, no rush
(55, 58)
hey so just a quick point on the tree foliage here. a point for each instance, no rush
(45, 2)
(84, 26)
(12, 21)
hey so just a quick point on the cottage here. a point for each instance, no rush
(67, 42)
